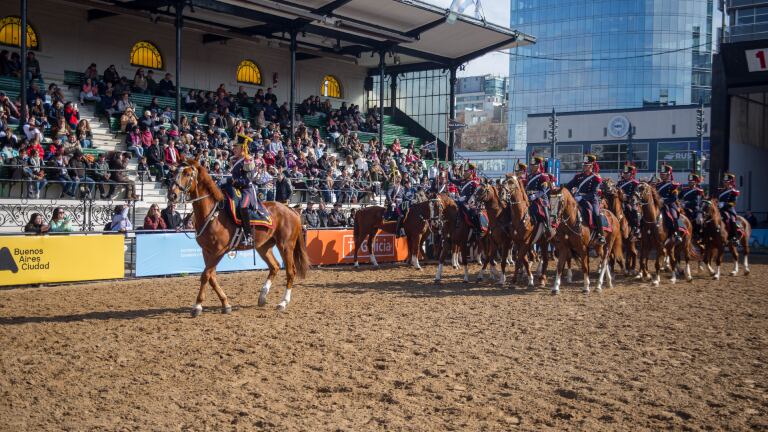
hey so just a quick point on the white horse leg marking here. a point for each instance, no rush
(466, 273)
(198, 308)
(746, 265)
(656, 279)
(711, 270)
(373, 260)
(481, 275)
(673, 279)
(357, 264)
(455, 260)
(717, 274)
(502, 279)
(439, 272)
(494, 272)
(586, 284)
(286, 299)
(415, 262)
(610, 278)
(735, 268)
(531, 283)
(556, 286)
(569, 276)
(603, 268)
(264, 291)
(688, 276)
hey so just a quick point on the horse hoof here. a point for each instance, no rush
(734, 273)
(196, 312)
(746, 272)
(689, 279)
(262, 301)
(716, 277)
(438, 282)
(585, 291)
(226, 310)
(280, 307)
(555, 292)
(655, 283)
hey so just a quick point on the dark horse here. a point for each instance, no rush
(217, 234)
(715, 239)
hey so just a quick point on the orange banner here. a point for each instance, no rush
(329, 247)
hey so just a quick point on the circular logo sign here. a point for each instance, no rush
(618, 126)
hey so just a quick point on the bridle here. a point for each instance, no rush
(646, 197)
(559, 217)
(184, 192)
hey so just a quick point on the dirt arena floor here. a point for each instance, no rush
(386, 350)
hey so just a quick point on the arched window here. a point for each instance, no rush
(248, 72)
(147, 55)
(330, 87)
(10, 33)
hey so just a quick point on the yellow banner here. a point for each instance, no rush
(43, 259)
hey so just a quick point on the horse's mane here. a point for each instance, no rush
(205, 181)
(654, 194)
(521, 195)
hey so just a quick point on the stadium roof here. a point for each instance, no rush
(418, 34)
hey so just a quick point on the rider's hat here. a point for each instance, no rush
(666, 169)
(630, 169)
(589, 159)
(471, 166)
(729, 177)
(521, 166)
(693, 177)
(537, 160)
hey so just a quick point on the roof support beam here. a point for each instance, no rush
(96, 14)
(243, 12)
(483, 51)
(212, 38)
(413, 67)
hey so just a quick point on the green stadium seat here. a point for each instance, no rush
(73, 79)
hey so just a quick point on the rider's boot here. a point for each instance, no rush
(599, 228)
(734, 232)
(399, 231)
(547, 223)
(245, 223)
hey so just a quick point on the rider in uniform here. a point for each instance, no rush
(396, 198)
(537, 186)
(668, 191)
(467, 186)
(628, 185)
(243, 170)
(584, 187)
(521, 171)
(692, 197)
(727, 196)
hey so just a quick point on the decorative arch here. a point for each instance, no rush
(10, 33)
(248, 72)
(146, 54)
(330, 87)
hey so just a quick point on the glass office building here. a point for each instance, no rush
(594, 54)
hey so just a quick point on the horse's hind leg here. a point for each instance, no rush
(286, 251)
(208, 276)
(265, 251)
(371, 237)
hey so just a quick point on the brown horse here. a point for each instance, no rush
(369, 220)
(454, 231)
(418, 223)
(499, 222)
(573, 238)
(715, 239)
(653, 236)
(615, 201)
(217, 235)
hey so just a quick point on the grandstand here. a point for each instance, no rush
(326, 48)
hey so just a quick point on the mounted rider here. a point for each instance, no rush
(584, 187)
(628, 185)
(399, 196)
(467, 186)
(537, 186)
(727, 196)
(691, 197)
(240, 184)
(521, 171)
(669, 191)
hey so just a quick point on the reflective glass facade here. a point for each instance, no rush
(599, 36)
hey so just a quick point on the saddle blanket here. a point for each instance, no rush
(237, 199)
(482, 217)
(588, 220)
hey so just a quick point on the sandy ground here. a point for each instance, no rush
(386, 350)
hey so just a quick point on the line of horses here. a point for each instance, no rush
(515, 237)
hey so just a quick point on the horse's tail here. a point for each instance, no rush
(693, 253)
(300, 257)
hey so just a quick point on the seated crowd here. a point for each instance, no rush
(325, 166)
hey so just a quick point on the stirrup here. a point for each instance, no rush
(601, 238)
(678, 238)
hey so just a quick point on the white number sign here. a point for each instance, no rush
(757, 60)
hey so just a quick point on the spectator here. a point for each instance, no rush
(151, 83)
(128, 120)
(60, 174)
(71, 114)
(166, 87)
(118, 165)
(79, 174)
(120, 220)
(336, 217)
(11, 112)
(34, 174)
(60, 222)
(156, 160)
(31, 131)
(111, 76)
(751, 219)
(139, 82)
(36, 225)
(133, 142)
(5, 63)
(89, 92)
(101, 175)
(33, 66)
(91, 73)
(283, 188)
(310, 217)
(154, 220)
(142, 170)
(84, 134)
(124, 103)
(171, 217)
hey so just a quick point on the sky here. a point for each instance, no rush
(496, 12)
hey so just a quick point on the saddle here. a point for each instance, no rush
(537, 212)
(237, 199)
(482, 218)
(674, 217)
(587, 219)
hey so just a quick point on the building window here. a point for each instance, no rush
(570, 133)
(605, 132)
(706, 127)
(248, 73)
(545, 134)
(10, 33)
(146, 54)
(612, 157)
(674, 129)
(544, 151)
(330, 87)
(570, 156)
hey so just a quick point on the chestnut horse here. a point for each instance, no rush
(369, 220)
(653, 235)
(573, 238)
(715, 239)
(499, 222)
(615, 200)
(454, 232)
(217, 235)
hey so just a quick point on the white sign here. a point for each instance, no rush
(757, 60)
(618, 127)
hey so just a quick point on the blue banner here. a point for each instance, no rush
(175, 253)
(759, 238)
